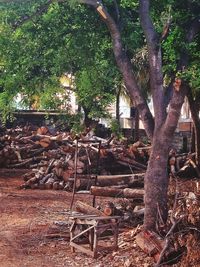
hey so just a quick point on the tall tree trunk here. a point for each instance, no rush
(194, 108)
(156, 183)
(87, 120)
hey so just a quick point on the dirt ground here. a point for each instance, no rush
(28, 218)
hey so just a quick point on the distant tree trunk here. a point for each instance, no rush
(79, 108)
(87, 120)
(192, 150)
(194, 108)
(118, 105)
(136, 126)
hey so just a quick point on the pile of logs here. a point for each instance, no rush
(54, 158)
(127, 212)
(183, 165)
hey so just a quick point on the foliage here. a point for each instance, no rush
(77, 127)
(93, 91)
(116, 129)
(36, 53)
(183, 14)
(69, 38)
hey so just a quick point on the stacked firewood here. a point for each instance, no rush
(126, 209)
(60, 166)
(183, 165)
(54, 158)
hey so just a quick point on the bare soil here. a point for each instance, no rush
(27, 219)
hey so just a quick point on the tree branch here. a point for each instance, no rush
(38, 12)
(42, 9)
(180, 91)
(155, 62)
(193, 30)
(147, 25)
(117, 12)
(125, 67)
(165, 32)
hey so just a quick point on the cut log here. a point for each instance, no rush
(87, 209)
(154, 245)
(115, 192)
(30, 182)
(44, 142)
(131, 180)
(42, 130)
(26, 161)
(110, 210)
(120, 181)
(133, 193)
(150, 242)
(49, 183)
(130, 162)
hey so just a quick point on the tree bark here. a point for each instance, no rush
(156, 178)
(156, 185)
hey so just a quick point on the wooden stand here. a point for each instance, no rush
(89, 228)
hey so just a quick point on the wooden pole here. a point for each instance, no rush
(75, 175)
(97, 172)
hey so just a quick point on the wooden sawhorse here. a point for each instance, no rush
(91, 228)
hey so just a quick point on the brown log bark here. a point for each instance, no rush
(116, 192)
(128, 180)
(26, 161)
(87, 209)
(30, 183)
(132, 163)
(131, 180)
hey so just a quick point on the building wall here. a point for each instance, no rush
(182, 141)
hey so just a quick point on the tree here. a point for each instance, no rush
(93, 92)
(161, 127)
(184, 43)
(37, 50)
